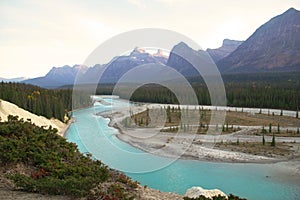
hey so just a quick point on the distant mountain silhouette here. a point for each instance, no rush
(275, 46)
(181, 63)
(118, 66)
(19, 79)
(227, 48)
(122, 64)
(66, 75)
(58, 76)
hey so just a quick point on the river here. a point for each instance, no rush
(92, 134)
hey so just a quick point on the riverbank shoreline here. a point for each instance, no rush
(168, 145)
(155, 146)
(63, 132)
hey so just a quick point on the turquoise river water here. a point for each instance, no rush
(252, 181)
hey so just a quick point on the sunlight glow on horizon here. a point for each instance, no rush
(37, 35)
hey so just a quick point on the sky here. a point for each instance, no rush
(38, 35)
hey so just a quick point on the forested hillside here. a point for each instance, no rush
(48, 103)
(270, 90)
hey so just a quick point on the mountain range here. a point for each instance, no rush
(274, 46)
(227, 48)
(19, 79)
(58, 76)
(66, 75)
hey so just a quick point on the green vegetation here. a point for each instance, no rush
(281, 150)
(56, 166)
(48, 103)
(252, 90)
(273, 143)
(197, 120)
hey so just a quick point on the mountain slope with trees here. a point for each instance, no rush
(263, 90)
(40, 101)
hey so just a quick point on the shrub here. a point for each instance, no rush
(59, 167)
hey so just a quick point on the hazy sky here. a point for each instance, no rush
(36, 35)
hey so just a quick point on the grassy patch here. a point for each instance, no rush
(255, 148)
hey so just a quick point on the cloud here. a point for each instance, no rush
(138, 3)
(36, 35)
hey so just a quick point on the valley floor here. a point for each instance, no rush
(241, 146)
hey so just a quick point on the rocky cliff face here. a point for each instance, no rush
(227, 48)
(122, 64)
(275, 46)
(181, 64)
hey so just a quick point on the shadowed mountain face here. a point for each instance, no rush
(275, 46)
(227, 48)
(114, 70)
(58, 76)
(122, 64)
(180, 64)
(118, 66)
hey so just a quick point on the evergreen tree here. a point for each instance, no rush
(263, 139)
(263, 130)
(147, 121)
(270, 128)
(169, 114)
(135, 121)
(48, 103)
(278, 128)
(273, 141)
